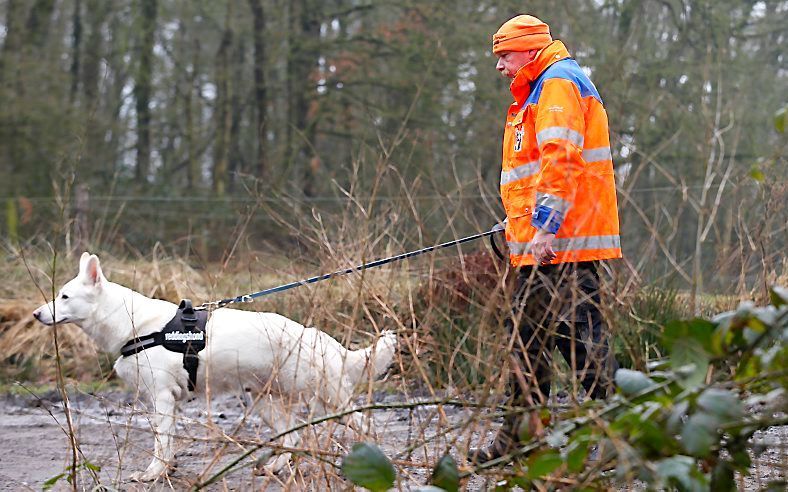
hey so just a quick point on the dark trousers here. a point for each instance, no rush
(558, 306)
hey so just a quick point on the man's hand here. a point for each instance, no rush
(542, 247)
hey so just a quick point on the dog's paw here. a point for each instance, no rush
(280, 464)
(137, 477)
(146, 476)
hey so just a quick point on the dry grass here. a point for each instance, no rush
(445, 307)
(28, 347)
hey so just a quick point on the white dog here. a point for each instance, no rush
(265, 352)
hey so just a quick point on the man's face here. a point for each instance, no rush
(509, 62)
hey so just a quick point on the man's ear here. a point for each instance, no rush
(93, 274)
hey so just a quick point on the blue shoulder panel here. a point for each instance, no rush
(565, 69)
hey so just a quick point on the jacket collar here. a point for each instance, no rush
(521, 84)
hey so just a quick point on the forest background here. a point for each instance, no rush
(210, 148)
(214, 148)
(137, 123)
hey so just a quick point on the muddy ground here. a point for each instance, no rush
(114, 436)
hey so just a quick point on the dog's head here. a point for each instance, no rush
(77, 300)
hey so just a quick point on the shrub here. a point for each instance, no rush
(687, 424)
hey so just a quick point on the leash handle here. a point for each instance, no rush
(311, 280)
(498, 227)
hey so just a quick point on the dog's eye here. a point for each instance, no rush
(63, 296)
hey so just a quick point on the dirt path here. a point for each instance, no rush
(114, 435)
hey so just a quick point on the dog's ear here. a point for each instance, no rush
(83, 261)
(93, 274)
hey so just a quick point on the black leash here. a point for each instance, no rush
(251, 297)
(497, 228)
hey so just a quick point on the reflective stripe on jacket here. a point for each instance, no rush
(557, 171)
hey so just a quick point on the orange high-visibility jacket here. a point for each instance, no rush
(557, 171)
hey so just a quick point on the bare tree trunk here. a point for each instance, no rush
(142, 88)
(260, 95)
(76, 48)
(81, 221)
(92, 47)
(191, 160)
(38, 22)
(97, 15)
(190, 138)
(12, 40)
(223, 109)
(120, 76)
(237, 162)
(284, 151)
(305, 37)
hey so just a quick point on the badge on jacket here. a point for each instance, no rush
(518, 139)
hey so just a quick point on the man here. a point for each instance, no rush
(558, 189)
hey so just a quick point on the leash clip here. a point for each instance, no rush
(208, 306)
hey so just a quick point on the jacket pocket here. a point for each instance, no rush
(519, 201)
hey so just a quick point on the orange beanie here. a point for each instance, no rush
(521, 33)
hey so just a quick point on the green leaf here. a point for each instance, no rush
(675, 466)
(445, 475)
(524, 430)
(542, 464)
(778, 295)
(650, 437)
(748, 368)
(52, 481)
(632, 382)
(722, 479)
(776, 486)
(697, 329)
(367, 466)
(741, 458)
(691, 361)
(512, 482)
(576, 456)
(677, 414)
(690, 345)
(577, 449)
(721, 403)
(680, 470)
(757, 174)
(699, 434)
(780, 118)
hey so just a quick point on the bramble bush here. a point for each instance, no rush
(690, 422)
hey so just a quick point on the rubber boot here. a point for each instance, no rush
(506, 441)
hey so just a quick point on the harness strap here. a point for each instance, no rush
(190, 358)
(137, 345)
(184, 333)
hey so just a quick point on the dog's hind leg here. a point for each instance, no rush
(339, 400)
(163, 426)
(279, 418)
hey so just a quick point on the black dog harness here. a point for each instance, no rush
(184, 333)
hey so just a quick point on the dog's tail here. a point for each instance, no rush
(375, 359)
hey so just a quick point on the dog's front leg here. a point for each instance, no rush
(163, 426)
